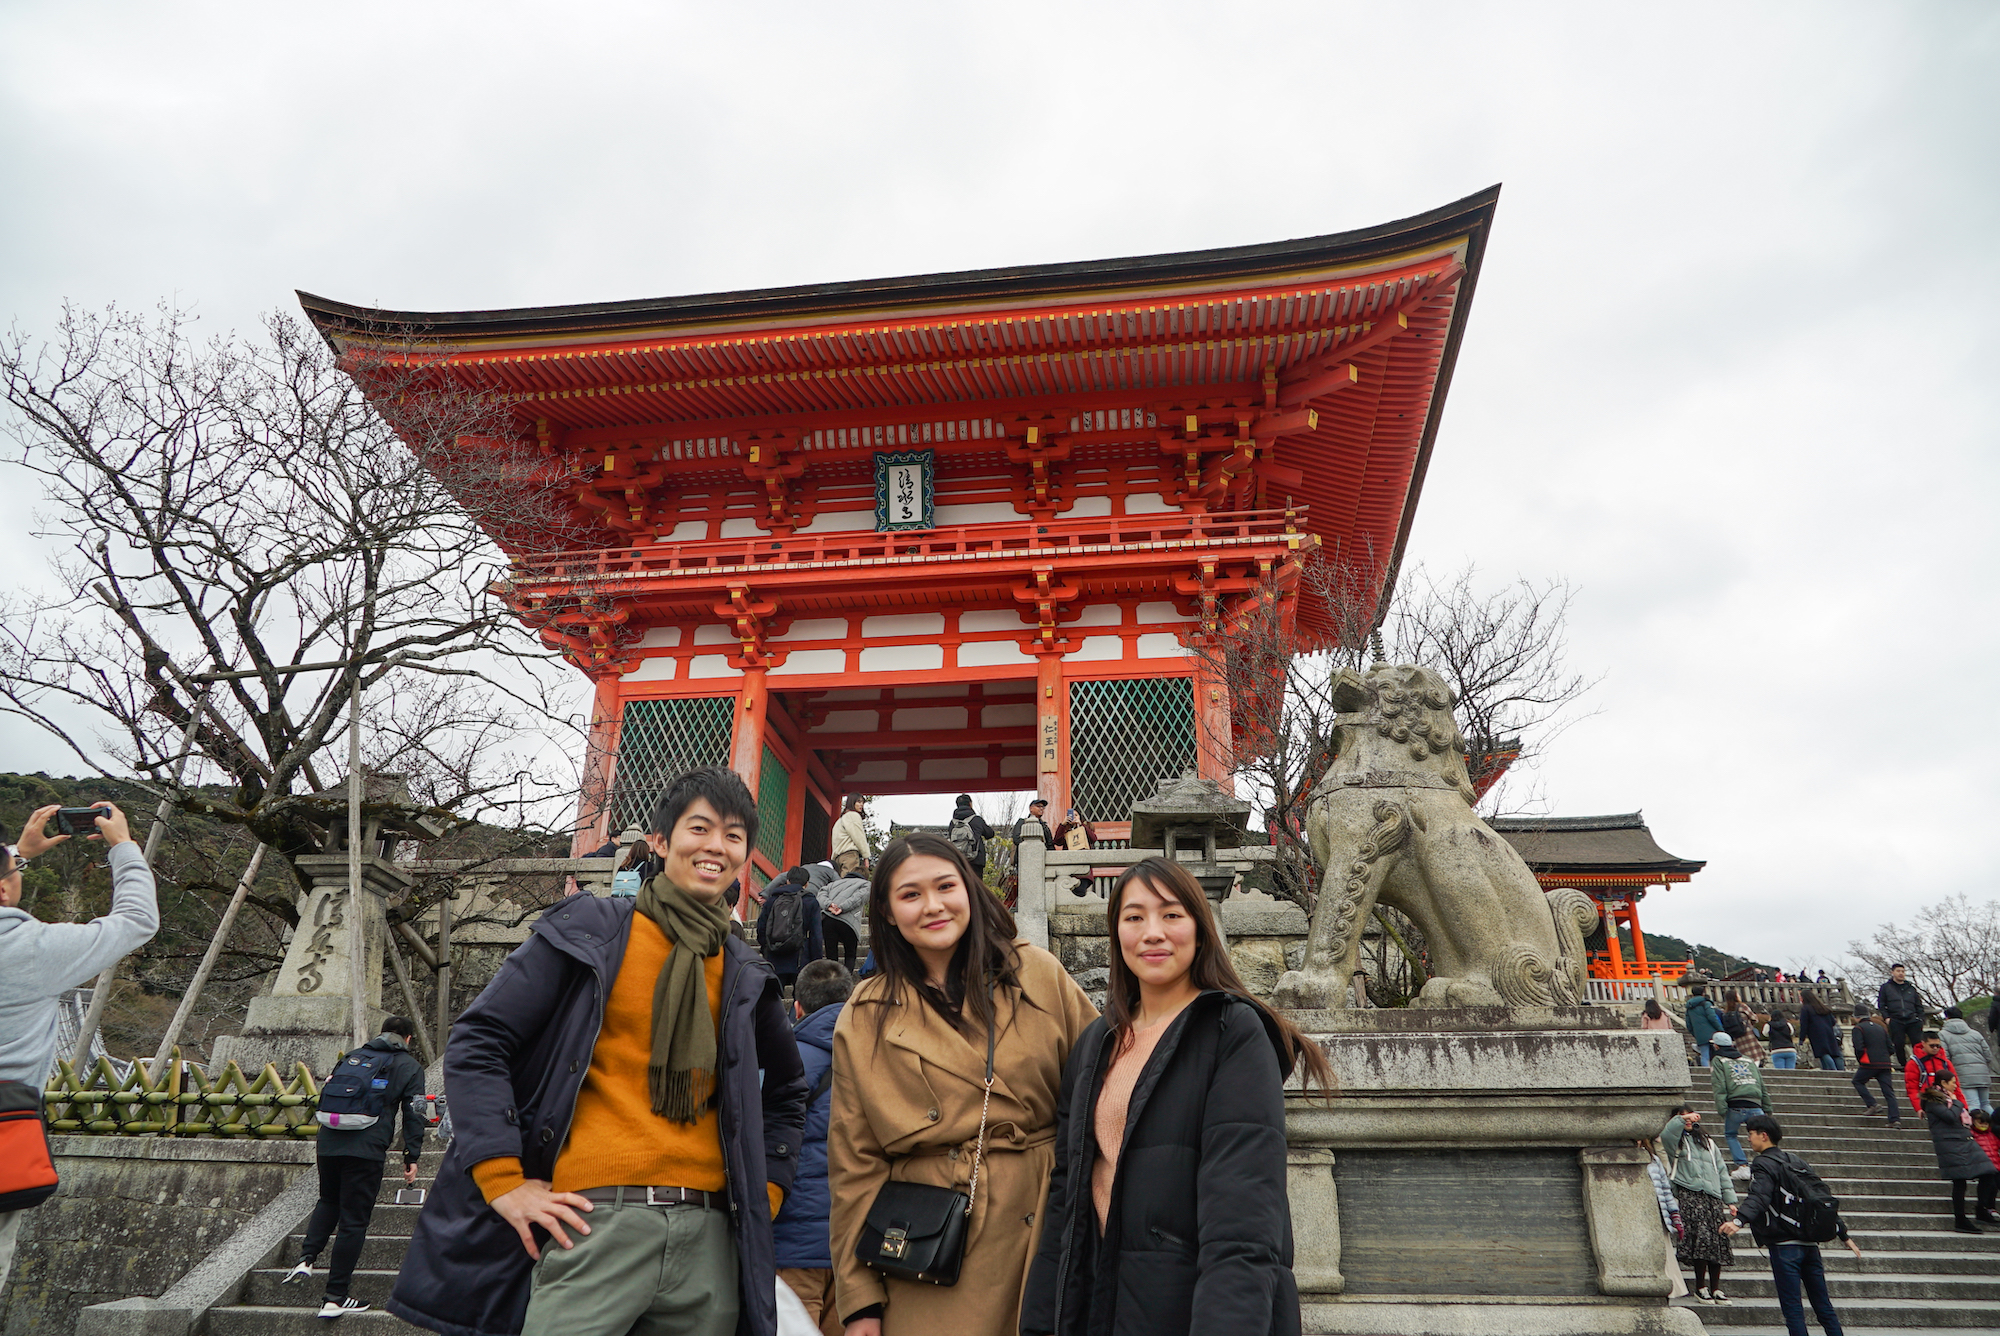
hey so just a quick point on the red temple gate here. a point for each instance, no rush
(959, 531)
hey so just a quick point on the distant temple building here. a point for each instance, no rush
(959, 531)
(1615, 861)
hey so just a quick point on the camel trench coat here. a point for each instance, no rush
(906, 1106)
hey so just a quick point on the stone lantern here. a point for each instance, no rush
(1191, 812)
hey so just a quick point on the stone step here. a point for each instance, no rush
(1885, 1261)
(1890, 1240)
(265, 1288)
(1747, 1281)
(378, 1252)
(1921, 1222)
(1901, 1315)
(254, 1320)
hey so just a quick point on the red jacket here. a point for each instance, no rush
(1990, 1143)
(1920, 1071)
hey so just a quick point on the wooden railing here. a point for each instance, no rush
(963, 542)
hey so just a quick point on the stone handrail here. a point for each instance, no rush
(186, 1101)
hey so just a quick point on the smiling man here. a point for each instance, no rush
(628, 1103)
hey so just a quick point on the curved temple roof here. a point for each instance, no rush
(1618, 847)
(1331, 353)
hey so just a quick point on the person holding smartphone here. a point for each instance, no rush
(40, 961)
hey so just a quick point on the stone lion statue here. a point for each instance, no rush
(1393, 824)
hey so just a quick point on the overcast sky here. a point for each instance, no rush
(1730, 368)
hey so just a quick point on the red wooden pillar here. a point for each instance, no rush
(1052, 734)
(1638, 938)
(746, 748)
(593, 807)
(1214, 748)
(1611, 944)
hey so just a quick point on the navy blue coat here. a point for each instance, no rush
(801, 1230)
(512, 1069)
(790, 962)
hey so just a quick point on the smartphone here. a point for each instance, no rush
(409, 1196)
(79, 820)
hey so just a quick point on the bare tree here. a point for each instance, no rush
(1951, 948)
(1502, 652)
(249, 541)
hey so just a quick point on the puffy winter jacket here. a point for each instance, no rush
(405, 1090)
(800, 1231)
(1922, 1069)
(1737, 1080)
(512, 1069)
(1697, 1165)
(1820, 1032)
(1958, 1155)
(1968, 1051)
(1703, 1020)
(1899, 1001)
(1871, 1044)
(1200, 1233)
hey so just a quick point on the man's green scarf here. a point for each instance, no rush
(681, 1074)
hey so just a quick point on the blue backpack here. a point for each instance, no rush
(354, 1096)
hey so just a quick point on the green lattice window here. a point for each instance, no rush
(1124, 736)
(774, 794)
(659, 740)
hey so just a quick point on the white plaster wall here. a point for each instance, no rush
(1087, 507)
(992, 619)
(881, 771)
(924, 720)
(1017, 767)
(742, 528)
(847, 721)
(991, 653)
(1146, 503)
(661, 637)
(1101, 614)
(819, 628)
(1099, 649)
(983, 512)
(1161, 612)
(908, 624)
(711, 665)
(853, 693)
(652, 670)
(812, 661)
(928, 690)
(1161, 645)
(687, 531)
(1013, 715)
(907, 658)
(714, 635)
(841, 521)
(953, 767)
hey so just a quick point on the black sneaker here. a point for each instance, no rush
(330, 1309)
(1964, 1226)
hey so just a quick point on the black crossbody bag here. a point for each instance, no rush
(916, 1231)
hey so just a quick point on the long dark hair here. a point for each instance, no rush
(1652, 1009)
(1818, 1005)
(1732, 1001)
(1212, 969)
(986, 951)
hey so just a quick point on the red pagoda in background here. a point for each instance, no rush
(959, 531)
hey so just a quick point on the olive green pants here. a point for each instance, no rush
(643, 1270)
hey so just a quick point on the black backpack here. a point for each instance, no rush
(357, 1092)
(781, 927)
(1800, 1203)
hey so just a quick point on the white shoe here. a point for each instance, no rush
(331, 1309)
(1714, 1297)
(299, 1272)
(1741, 1173)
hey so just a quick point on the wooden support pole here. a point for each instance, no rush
(444, 972)
(1052, 731)
(402, 974)
(600, 764)
(357, 934)
(746, 749)
(208, 961)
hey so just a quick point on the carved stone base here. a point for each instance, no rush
(1479, 1174)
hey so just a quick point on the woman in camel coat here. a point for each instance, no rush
(909, 1063)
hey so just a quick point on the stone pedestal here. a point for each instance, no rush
(308, 1014)
(1478, 1174)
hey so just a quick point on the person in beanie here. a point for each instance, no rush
(350, 1168)
(1795, 1262)
(627, 1102)
(1739, 1095)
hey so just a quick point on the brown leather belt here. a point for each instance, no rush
(656, 1196)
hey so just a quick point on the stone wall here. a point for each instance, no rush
(1265, 939)
(132, 1216)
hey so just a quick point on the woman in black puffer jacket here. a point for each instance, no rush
(1167, 1210)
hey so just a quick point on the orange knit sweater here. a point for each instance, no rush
(615, 1138)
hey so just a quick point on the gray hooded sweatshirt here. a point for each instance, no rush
(41, 961)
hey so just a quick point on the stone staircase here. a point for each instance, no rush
(268, 1307)
(1914, 1274)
